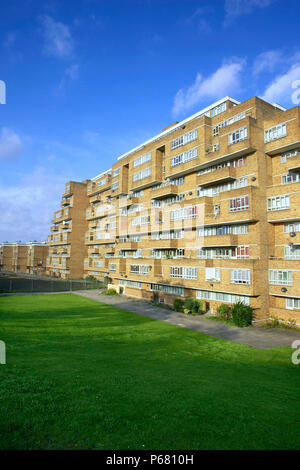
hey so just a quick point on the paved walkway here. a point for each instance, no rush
(259, 338)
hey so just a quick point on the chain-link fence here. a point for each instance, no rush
(44, 285)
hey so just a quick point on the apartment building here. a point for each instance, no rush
(23, 257)
(66, 241)
(208, 208)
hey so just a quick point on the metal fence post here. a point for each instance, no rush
(85, 283)
(31, 285)
(70, 286)
(10, 285)
(51, 286)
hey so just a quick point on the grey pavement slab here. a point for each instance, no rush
(260, 338)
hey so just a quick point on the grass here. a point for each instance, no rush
(226, 322)
(85, 375)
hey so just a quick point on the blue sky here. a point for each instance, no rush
(88, 80)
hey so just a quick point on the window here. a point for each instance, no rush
(292, 304)
(222, 230)
(277, 203)
(183, 272)
(237, 136)
(240, 276)
(287, 155)
(138, 193)
(239, 204)
(134, 284)
(241, 251)
(99, 264)
(280, 277)
(240, 229)
(184, 157)
(142, 159)
(227, 122)
(140, 269)
(167, 253)
(275, 132)
(184, 139)
(213, 274)
(177, 181)
(215, 148)
(295, 227)
(141, 220)
(115, 185)
(101, 183)
(290, 178)
(173, 234)
(292, 252)
(116, 173)
(215, 190)
(222, 297)
(184, 213)
(236, 163)
(142, 174)
(218, 109)
(174, 290)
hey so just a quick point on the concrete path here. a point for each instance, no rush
(259, 338)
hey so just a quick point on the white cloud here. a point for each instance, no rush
(57, 37)
(267, 61)
(11, 146)
(235, 8)
(221, 83)
(281, 88)
(71, 73)
(199, 17)
(27, 208)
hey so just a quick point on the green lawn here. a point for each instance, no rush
(83, 375)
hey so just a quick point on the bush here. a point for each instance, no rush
(110, 291)
(242, 314)
(224, 312)
(91, 279)
(194, 306)
(178, 305)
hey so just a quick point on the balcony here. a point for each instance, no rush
(127, 246)
(224, 175)
(96, 199)
(66, 202)
(128, 201)
(64, 214)
(165, 244)
(167, 190)
(218, 241)
(290, 140)
(295, 164)
(95, 188)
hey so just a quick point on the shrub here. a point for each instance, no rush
(192, 305)
(242, 314)
(224, 312)
(178, 305)
(91, 278)
(110, 291)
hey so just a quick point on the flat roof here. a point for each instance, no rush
(171, 129)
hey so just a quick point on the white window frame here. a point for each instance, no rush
(275, 132)
(238, 135)
(277, 203)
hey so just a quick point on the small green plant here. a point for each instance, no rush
(242, 314)
(110, 291)
(224, 312)
(178, 305)
(91, 278)
(193, 306)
